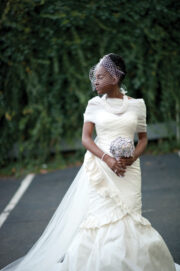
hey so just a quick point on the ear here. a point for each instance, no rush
(115, 80)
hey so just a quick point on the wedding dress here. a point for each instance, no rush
(98, 225)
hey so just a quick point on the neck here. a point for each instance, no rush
(115, 93)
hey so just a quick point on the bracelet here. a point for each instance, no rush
(103, 155)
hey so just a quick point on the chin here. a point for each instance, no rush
(100, 91)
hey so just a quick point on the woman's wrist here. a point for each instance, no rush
(104, 157)
(135, 157)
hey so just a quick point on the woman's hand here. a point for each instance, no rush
(126, 161)
(117, 166)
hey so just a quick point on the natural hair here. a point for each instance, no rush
(120, 64)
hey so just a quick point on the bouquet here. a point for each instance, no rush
(122, 147)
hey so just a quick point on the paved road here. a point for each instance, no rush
(160, 197)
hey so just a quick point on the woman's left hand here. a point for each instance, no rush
(127, 161)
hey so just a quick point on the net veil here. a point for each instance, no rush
(49, 250)
(105, 74)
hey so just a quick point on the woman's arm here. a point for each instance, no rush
(141, 146)
(89, 144)
(87, 140)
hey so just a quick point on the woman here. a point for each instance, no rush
(98, 225)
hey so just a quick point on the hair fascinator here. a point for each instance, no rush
(111, 70)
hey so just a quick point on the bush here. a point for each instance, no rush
(47, 48)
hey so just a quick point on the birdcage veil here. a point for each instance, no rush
(111, 70)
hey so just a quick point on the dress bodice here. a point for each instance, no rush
(109, 125)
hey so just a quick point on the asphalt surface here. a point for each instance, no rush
(160, 200)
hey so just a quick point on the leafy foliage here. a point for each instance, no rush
(47, 48)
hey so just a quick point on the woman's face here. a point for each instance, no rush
(103, 80)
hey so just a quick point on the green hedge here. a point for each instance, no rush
(47, 48)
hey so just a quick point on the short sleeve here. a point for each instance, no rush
(91, 108)
(141, 124)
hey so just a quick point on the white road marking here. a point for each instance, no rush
(15, 199)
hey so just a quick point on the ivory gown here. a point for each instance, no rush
(98, 225)
(115, 236)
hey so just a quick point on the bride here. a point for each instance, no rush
(98, 225)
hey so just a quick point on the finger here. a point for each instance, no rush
(125, 158)
(129, 162)
(121, 163)
(121, 167)
(121, 171)
(121, 174)
(121, 159)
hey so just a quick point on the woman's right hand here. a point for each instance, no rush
(115, 165)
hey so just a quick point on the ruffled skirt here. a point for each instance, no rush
(114, 235)
(98, 226)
